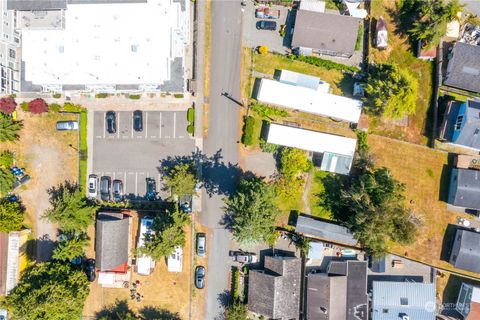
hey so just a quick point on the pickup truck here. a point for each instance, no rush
(267, 13)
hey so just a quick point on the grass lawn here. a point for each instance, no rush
(400, 53)
(315, 195)
(426, 174)
(341, 84)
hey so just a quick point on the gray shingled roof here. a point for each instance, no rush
(466, 251)
(111, 240)
(324, 230)
(275, 291)
(324, 31)
(464, 188)
(463, 70)
(469, 133)
(338, 296)
(33, 5)
(391, 300)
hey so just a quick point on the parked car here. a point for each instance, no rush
(21, 180)
(90, 269)
(111, 122)
(92, 186)
(117, 190)
(138, 121)
(67, 125)
(200, 277)
(151, 190)
(201, 244)
(105, 183)
(185, 203)
(243, 257)
(267, 13)
(267, 25)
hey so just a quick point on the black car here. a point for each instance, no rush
(138, 121)
(266, 25)
(151, 189)
(111, 122)
(117, 190)
(200, 277)
(89, 269)
(105, 183)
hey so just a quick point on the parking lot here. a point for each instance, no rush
(135, 156)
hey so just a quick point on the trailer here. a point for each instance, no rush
(267, 13)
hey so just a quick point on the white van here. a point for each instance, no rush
(175, 260)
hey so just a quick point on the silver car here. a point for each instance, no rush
(201, 244)
(67, 125)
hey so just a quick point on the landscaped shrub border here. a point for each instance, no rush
(248, 128)
(327, 64)
(191, 120)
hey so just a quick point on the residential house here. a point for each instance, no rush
(464, 190)
(144, 263)
(340, 293)
(336, 152)
(468, 302)
(461, 124)
(325, 34)
(463, 70)
(403, 301)
(274, 292)
(13, 259)
(74, 46)
(324, 230)
(112, 246)
(301, 98)
(465, 253)
(302, 80)
(175, 260)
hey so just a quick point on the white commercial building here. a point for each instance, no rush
(308, 100)
(145, 264)
(104, 46)
(337, 151)
(9, 51)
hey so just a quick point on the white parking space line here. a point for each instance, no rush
(118, 125)
(114, 176)
(160, 127)
(174, 123)
(146, 125)
(181, 137)
(153, 137)
(98, 137)
(136, 183)
(104, 125)
(132, 127)
(167, 137)
(125, 137)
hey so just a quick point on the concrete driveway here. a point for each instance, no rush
(134, 156)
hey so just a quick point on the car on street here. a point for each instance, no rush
(89, 269)
(243, 257)
(105, 184)
(117, 190)
(266, 25)
(151, 194)
(200, 277)
(201, 244)
(138, 120)
(67, 125)
(92, 186)
(111, 122)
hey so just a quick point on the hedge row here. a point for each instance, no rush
(249, 126)
(327, 64)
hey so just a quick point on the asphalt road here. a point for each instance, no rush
(222, 138)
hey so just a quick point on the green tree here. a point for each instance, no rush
(251, 212)
(9, 128)
(390, 92)
(6, 159)
(70, 248)
(236, 311)
(375, 211)
(167, 234)
(48, 291)
(71, 209)
(11, 216)
(6, 181)
(181, 179)
(293, 161)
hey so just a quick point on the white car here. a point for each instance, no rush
(92, 186)
(243, 257)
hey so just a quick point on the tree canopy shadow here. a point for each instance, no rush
(153, 313)
(329, 199)
(56, 193)
(117, 311)
(217, 176)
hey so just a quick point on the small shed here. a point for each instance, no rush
(325, 230)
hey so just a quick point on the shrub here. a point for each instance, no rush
(362, 137)
(57, 95)
(70, 107)
(236, 293)
(191, 115)
(268, 147)
(263, 49)
(101, 95)
(358, 44)
(54, 107)
(134, 96)
(6, 159)
(7, 105)
(327, 64)
(248, 128)
(267, 111)
(283, 30)
(24, 106)
(37, 106)
(190, 129)
(178, 95)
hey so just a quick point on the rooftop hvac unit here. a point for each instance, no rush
(405, 317)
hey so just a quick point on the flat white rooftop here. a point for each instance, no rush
(103, 44)
(308, 100)
(311, 140)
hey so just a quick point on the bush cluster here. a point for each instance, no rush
(248, 128)
(37, 106)
(327, 64)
